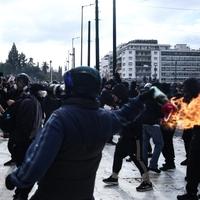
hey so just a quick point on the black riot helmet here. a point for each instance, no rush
(82, 82)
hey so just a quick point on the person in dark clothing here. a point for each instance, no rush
(168, 149)
(133, 92)
(191, 90)
(4, 96)
(106, 99)
(168, 133)
(129, 144)
(151, 129)
(193, 166)
(65, 155)
(148, 123)
(50, 103)
(120, 94)
(27, 120)
(107, 102)
(3, 93)
(39, 91)
(126, 84)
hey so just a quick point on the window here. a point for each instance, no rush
(130, 52)
(129, 75)
(155, 52)
(130, 58)
(129, 69)
(155, 58)
(124, 64)
(130, 64)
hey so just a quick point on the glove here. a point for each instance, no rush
(9, 184)
(167, 109)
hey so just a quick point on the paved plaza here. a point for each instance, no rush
(165, 185)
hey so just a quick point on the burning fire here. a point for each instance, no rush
(184, 116)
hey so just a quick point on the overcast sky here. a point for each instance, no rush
(43, 29)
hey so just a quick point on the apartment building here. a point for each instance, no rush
(137, 60)
(179, 63)
(146, 60)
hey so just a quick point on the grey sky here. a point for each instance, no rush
(43, 29)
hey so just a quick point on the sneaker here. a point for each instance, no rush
(187, 197)
(9, 163)
(184, 163)
(167, 167)
(111, 181)
(154, 170)
(144, 186)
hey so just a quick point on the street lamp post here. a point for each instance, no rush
(73, 52)
(89, 35)
(51, 74)
(82, 31)
(97, 33)
(114, 39)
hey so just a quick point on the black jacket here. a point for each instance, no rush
(27, 118)
(65, 156)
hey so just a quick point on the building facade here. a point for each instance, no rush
(179, 63)
(146, 60)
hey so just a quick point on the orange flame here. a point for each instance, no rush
(185, 116)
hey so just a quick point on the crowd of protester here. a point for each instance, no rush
(33, 113)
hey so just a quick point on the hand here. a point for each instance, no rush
(8, 183)
(10, 102)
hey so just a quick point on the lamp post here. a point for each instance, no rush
(82, 31)
(73, 52)
(50, 71)
(97, 33)
(89, 36)
(114, 39)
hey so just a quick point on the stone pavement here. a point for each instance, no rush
(166, 185)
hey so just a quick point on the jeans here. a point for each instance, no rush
(154, 132)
